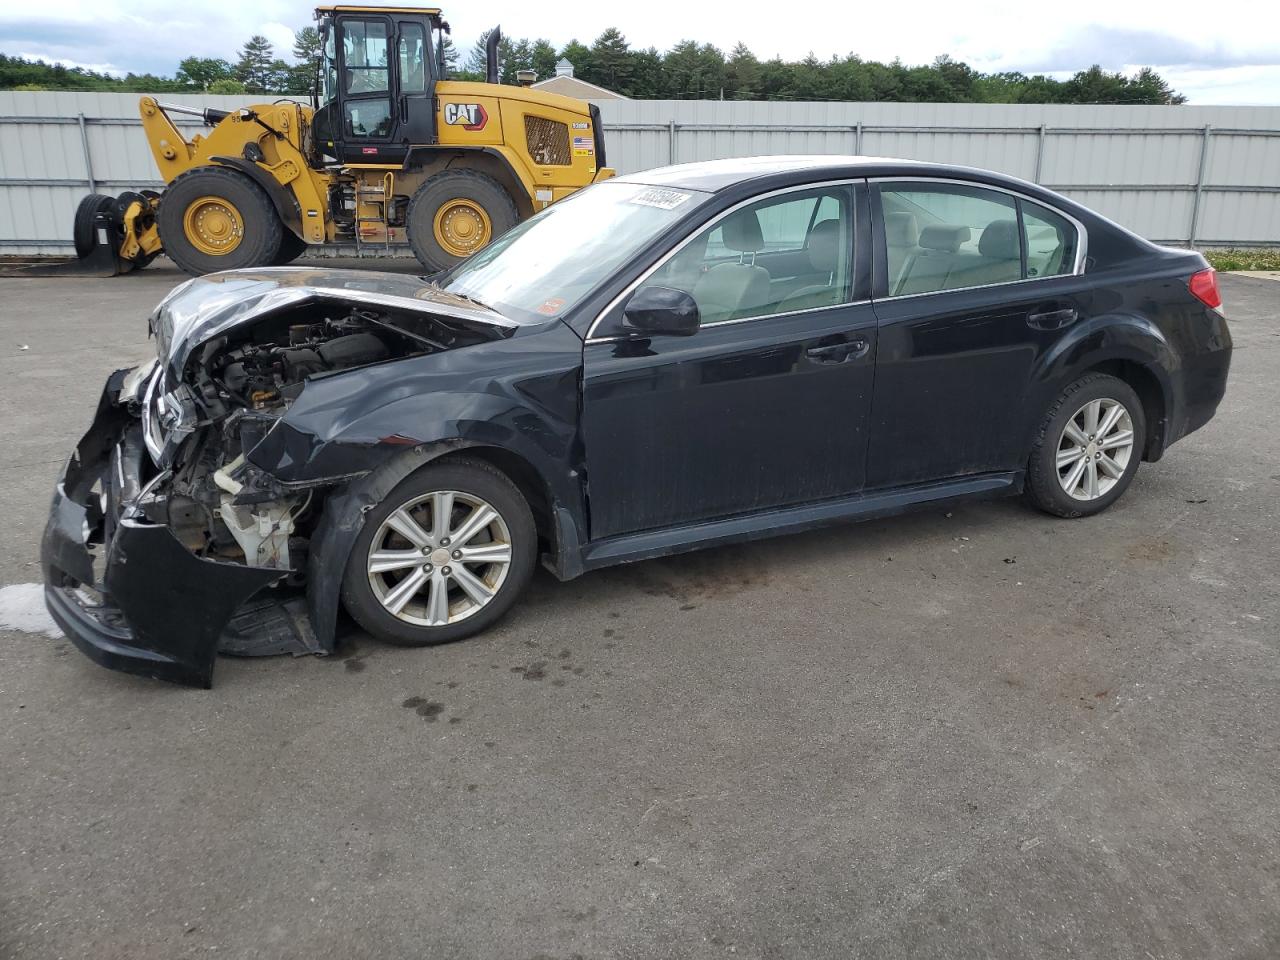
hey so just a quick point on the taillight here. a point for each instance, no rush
(1204, 287)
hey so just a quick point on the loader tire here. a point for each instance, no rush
(454, 214)
(291, 248)
(215, 218)
(83, 232)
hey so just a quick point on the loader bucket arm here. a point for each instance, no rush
(172, 151)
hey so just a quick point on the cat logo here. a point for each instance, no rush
(468, 116)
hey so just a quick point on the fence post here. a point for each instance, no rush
(1039, 154)
(1195, 204)
(857, 139)
(671, 141)
(88, 160)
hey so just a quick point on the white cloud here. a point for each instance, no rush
(108, 68)
(281, 38)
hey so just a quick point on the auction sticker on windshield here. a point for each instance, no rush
(663, 199)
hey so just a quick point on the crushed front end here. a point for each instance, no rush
(118, 580)
(165, 544)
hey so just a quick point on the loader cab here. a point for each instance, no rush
(378, 72)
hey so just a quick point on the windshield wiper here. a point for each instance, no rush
(463, 296)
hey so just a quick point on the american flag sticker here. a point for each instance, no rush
(583, 146)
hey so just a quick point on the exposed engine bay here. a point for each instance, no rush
(235, 388)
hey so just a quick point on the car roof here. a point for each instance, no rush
(713, 176)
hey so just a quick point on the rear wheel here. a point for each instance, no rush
(1088, 448)
(443, 556)
(215, 218)
(456, 213)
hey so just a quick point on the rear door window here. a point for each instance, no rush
(947, 237)
(1051, 241)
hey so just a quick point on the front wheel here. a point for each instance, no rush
(443, 556)
(1088, 447)
(215, 218)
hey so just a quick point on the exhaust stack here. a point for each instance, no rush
(491, 54)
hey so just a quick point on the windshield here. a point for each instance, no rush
(549, 263)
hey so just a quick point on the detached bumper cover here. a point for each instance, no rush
(157, 610)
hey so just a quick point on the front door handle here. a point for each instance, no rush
(838, 352)
(1053, 319)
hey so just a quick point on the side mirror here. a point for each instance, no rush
(662, 310)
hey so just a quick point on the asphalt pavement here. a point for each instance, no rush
(977, 731)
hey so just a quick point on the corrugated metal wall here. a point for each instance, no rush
(1173, 174)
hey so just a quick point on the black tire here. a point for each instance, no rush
(83, 233)
(465, 476)
(1044, 486)
(471, 185)
(291, 248)
(260, 241)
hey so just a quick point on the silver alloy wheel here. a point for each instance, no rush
(1095, 448)
(439, 558)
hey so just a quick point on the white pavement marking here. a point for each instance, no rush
(22, 608)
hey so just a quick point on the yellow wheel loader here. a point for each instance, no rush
(389, 151)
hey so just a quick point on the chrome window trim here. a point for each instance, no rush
(1082, 235)
(630, 288)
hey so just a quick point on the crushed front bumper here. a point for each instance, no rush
(149, 606)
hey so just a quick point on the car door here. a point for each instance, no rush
(369, 112)
(767, 404)
(966, 303)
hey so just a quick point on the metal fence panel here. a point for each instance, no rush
(1208, 175)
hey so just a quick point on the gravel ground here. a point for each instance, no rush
(980, 732)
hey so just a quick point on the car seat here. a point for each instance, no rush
(824, 256)
(734, 289)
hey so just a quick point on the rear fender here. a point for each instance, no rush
(1097, 342)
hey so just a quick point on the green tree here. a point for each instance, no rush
(307, 50)
(450, 53)
(478, 58)
(226, 86)
(542, 59)
(517, 56)
(201, 72)
(255, 68)
(741, 74)
(611, 64)
(648, 81)
(579, 55)
(694, 72)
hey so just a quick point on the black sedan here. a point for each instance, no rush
(690, 356)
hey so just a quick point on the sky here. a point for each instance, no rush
(1228, 59)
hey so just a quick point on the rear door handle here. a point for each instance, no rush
(1053, 319)
(837, 352)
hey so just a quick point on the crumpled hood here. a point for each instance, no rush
(206, 307)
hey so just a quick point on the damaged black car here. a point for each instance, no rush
(691, 356)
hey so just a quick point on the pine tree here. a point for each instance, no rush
(254, 68)
(611, 62)
(449, 51)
